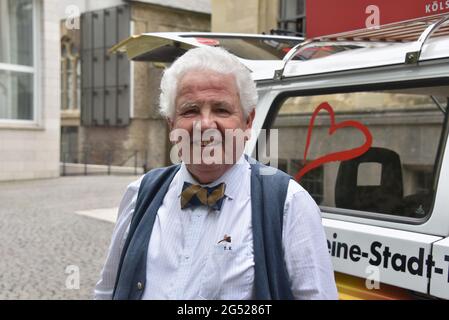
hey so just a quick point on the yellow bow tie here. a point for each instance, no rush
(196, 195)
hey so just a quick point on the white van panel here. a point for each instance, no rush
(439, 283)
(382, 55)
(382, 255)
(435, 48)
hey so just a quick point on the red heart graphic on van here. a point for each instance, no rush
(335, 156)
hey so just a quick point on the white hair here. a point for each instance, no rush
(207, 59)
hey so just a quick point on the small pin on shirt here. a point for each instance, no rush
(226, 238)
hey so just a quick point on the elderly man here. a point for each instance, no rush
(220, 230)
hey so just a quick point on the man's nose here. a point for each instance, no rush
(208, 120)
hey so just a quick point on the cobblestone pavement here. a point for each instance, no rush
(41, 237)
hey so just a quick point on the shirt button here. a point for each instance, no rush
(139, 285)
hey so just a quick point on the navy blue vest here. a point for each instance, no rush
(268, 193)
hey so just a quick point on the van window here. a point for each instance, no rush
(365, 152)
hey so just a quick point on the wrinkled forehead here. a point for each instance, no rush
(205, 80)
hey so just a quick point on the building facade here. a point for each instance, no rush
(110, 108)
(29, 89)
(259, 16)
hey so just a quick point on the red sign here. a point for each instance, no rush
(326, 17)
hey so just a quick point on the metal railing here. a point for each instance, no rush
(92, 162)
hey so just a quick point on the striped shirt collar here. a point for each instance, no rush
(232, 178)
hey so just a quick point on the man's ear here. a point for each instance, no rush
(250, 119)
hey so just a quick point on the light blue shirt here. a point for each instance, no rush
(186, 259)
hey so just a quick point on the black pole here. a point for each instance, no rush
(63, 163)
(109, 163)
(135, 162)
(146, 162)
(85, 162)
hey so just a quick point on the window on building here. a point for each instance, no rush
(392, 173)
(106, 78)
(69, 144)
(292, 17)
(17, 70)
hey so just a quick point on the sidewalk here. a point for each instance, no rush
(43, 241)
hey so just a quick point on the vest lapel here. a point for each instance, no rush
(131, 275)
(268, 193)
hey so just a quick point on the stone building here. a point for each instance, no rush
(259, 16)
(29, 89)
(115, 119)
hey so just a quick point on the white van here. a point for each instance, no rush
(371, 120)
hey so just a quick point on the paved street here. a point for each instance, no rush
(41, 236)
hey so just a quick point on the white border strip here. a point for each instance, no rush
(16, 68)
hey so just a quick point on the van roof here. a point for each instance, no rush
(369, 57)
(271, 57)
(407, 42)
(262, 54)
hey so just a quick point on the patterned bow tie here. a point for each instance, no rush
(196, 195)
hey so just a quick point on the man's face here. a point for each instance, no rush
(209, 100)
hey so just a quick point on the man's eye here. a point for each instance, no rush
(188, 112)
(222, 110)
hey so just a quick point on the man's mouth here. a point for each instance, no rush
(207, 143)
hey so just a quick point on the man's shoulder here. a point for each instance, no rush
(150, 176)
(295, 187)
(158, 172)
(267, 172)
(274, 176)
